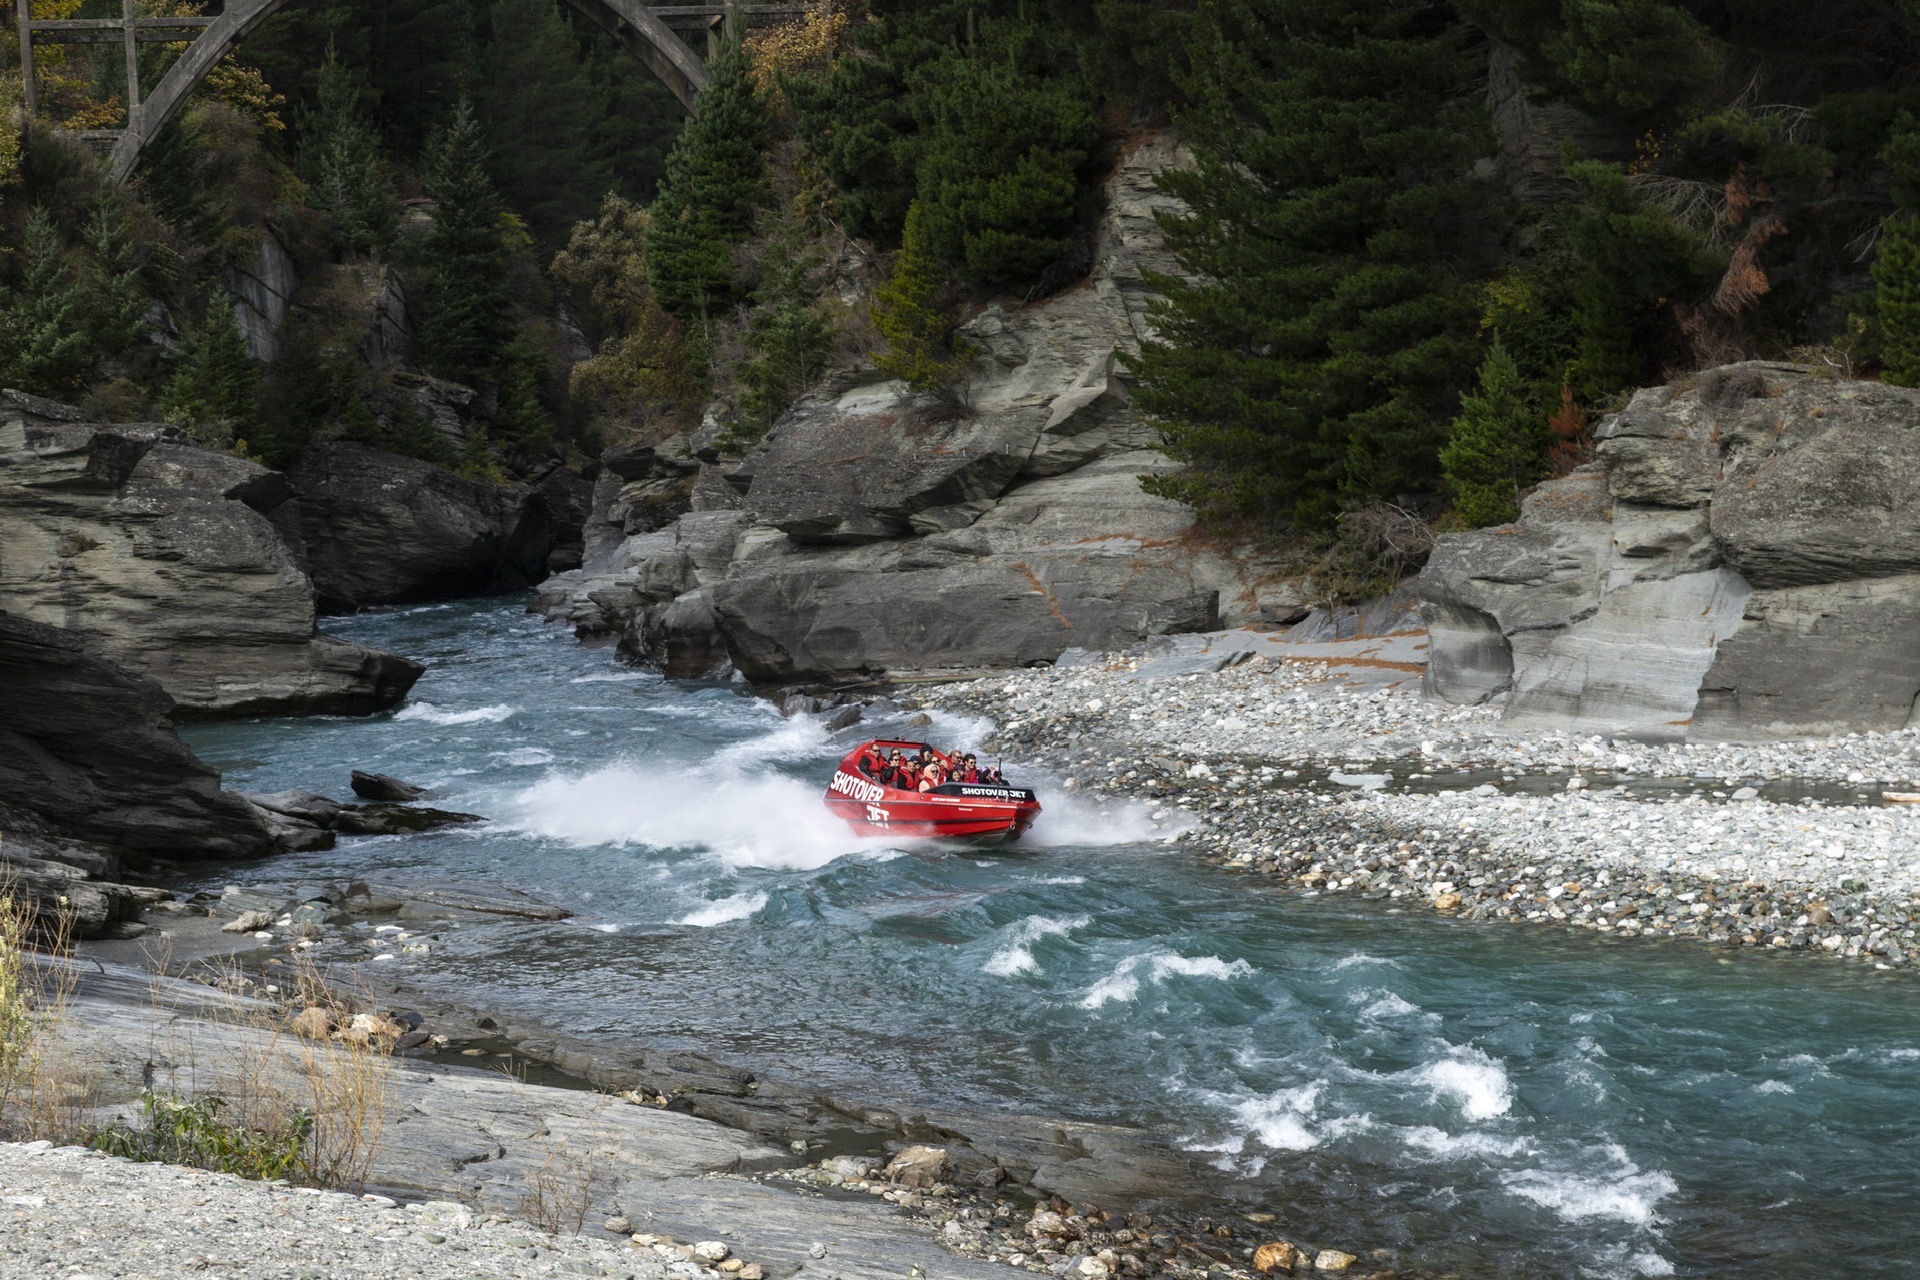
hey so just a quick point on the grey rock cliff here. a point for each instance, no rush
(380, 528)
(170, 560)
(1742, 560)
(880, 530)
(85, 746)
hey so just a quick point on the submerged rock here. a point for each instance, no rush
(380, 786)
(1743, 560)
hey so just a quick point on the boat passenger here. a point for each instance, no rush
(868, 764)
(993, 777)
(969, 769)
(907, 777)
(932, 778)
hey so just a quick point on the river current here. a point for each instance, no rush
(1496, 1100)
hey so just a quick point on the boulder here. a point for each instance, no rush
(86, 747)
(920, 1167)
(396, 819)
(878, 461)
(380, 786)
(167, 559)
(1742, 560)
(380, 528)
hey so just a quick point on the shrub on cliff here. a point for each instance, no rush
(1499, 444)
(641, 360)
(1896, 264)
(716, 182)
(1312, 351)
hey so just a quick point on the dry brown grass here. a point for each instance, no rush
(45, 1090)
(559, 1193)
(241, 1061)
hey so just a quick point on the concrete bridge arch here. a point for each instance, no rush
(642, 30)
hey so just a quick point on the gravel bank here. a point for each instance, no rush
(74, 1213)
(1276, 767)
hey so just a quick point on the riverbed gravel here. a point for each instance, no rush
(77, 1214)
(1332, 780)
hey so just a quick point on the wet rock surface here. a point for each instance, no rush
(174, 562)
(1741, 562)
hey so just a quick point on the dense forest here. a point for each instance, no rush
(1425, 244)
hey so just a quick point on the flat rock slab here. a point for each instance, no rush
(1374, 661)
(486, 1139)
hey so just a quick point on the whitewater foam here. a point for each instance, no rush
(1426, 1140)
(1017, 955)
(525, 756)
(739, 907)
(431, 714)
(1123, 984)
(1469, 1078)
(757, 820)
(1621, 1192)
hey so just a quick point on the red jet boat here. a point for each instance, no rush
(873, 808)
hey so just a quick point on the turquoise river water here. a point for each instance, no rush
(1495, 1100)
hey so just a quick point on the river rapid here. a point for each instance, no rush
(1490, 1100)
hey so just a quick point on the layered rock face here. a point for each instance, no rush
(171, 561)
(1742, 560)
(879, 530)
(86, 746)
(380, 528)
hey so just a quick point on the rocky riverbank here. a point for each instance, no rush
(1332, 777)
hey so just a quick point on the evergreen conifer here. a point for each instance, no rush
(787, 342)
(213, 389)
(1499, 444)
(340, 159)
(910, 312)
(1312, 353)
(45, 345)
(1896, 275)
(468, 322)
(716, 182)
(114, 302)
(1896, 264)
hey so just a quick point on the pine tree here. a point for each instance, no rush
(412, 432)
(45, 346)
(1499, 444)
(1000, 164)
(213, 389)
(909, 311)
(340, 159)
(1896, 275)
(114, 303)
(540, 116)
(468, 322)
(787, 343)
(716, 182)
(1312, 353)
(1896, 264)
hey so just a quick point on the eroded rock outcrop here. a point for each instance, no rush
(85, 745)
(881, 530)
(381, 528)
(1742, 560)
(174, 562)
